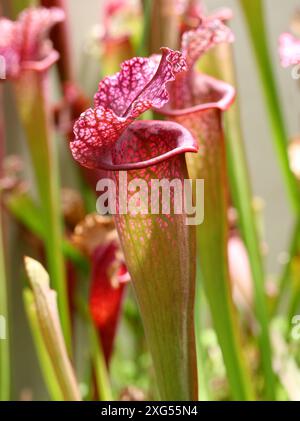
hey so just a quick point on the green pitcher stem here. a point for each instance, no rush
(143, 48)
(242, 199)
(165, 24)
(205, 123)
(31, 94)
(163, 274)
(212, 238)
(220, 63)
(99, 365)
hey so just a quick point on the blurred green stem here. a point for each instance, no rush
(34, 108)
(286, 273)
(42, 353)
(203, 390)
(242, 198)
(143, 48)
(101, 373)
(212, 239)
(220, 63)
(165, 25)
(213, 258)
(294, 276)
(45, 301)
(4, 336)
(18, 5)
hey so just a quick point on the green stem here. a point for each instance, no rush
(213, 260)
(212, 238)
(225, 323)
(254, 16)
(143, 48)
(45, 301)
(4, 336)
(285, 276)
(31, 94)
(17, 6)
(242, 197)
(53, 386)
(203, 390)
(165, 25)
(101, 374)
(294, 275)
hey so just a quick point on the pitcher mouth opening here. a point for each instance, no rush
(147, 143)
(211, 93)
